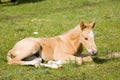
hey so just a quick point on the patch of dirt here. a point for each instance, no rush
(111, 55)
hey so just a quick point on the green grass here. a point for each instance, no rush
(53, 17)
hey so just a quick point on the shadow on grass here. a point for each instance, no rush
(100, 60)
(104, 59)
(27, 1)
(17, 2)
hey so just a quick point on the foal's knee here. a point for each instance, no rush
(79, 60)
(87, 59)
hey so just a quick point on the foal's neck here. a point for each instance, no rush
(73, 36)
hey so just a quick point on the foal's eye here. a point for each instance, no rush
(86, 38)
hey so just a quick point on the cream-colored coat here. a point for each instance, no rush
(57, 50)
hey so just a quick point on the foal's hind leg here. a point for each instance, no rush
(35, 62)
(23, 50)
(25, 56)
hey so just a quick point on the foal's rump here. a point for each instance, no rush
(26, 49)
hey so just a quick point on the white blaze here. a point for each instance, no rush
(91, 34)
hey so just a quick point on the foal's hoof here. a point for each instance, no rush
(79, 61)
(87, 59)
(37, 62)
(37, 65)
(9, 62)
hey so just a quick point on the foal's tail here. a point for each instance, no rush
(9, 57)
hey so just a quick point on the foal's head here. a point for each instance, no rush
(87, 37)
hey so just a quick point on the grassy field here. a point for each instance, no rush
(53, 17)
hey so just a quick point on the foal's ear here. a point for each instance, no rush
(82, 25)
(92, 25)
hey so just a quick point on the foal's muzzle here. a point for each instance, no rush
(93, 52)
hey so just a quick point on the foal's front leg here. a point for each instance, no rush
(86, 58)
(35, 62)
(66, 58)
(59, 54)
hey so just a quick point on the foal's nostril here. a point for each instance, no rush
(93, 53)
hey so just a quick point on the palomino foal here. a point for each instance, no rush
(56, 50)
